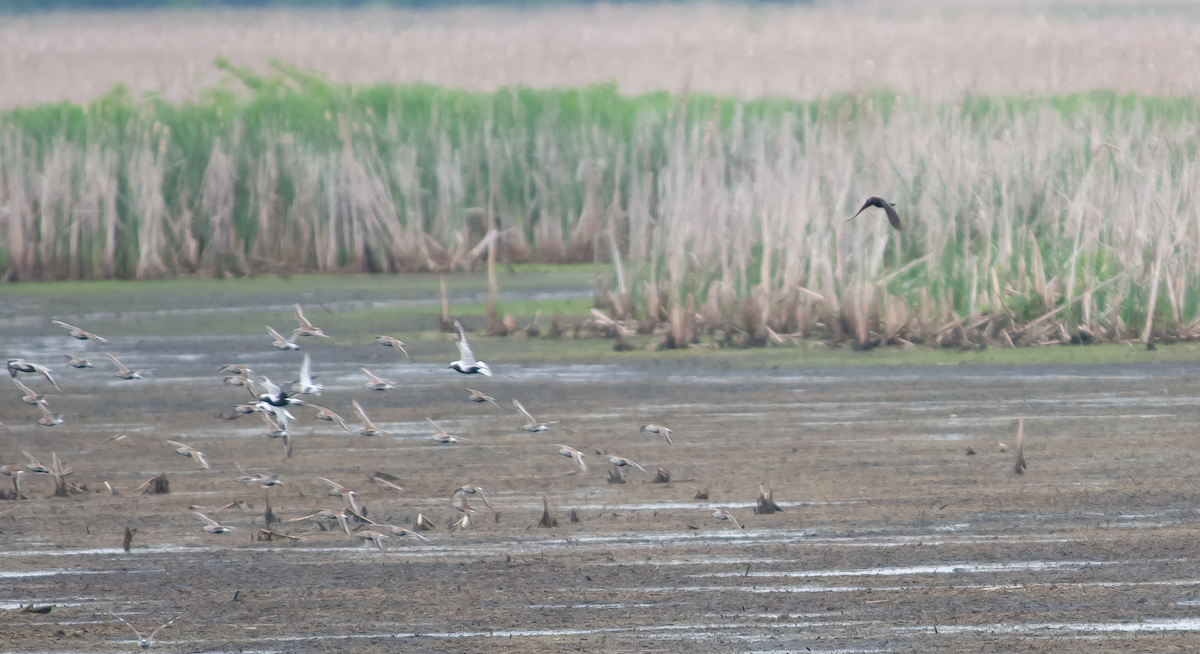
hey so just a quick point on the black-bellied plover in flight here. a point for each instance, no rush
(279, 341)
(659, 429)
(391, 341)
(572, 453)
(274, 395)
(306, 328)
(888, 208)
(466, 363)
(79, 333)
(146, 642)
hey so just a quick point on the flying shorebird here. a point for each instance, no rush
(323, 513)
(1020, 466)
(15, 473)
(190, 452)
(21, 365)
(471, 489)
(275, 430)
(35, 465)
(368, 536)
(330, 416)
(531, 425)
(78, 362)
(79, 333)
(722, 514)
(31, 397)
(621, 462)
(306, 328)
(400, 531)
(464, 507)
(48, 419)
(659, 429)
(274, 395)
(374, 383)
(441, 436)
(279, 341)
(213, 527)
(390, 341)
(478, 397)
(335, 489)
(146, 642)
(368, 428)
(573, 453)
(307, 387)
(466, 363)
(124, 372)
(279, 417)
(386, 484)
(262, 477)
(887, 207)
(236, 369)
(239, 374)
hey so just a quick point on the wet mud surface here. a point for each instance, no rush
(891, 537)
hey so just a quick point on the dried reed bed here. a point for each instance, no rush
(934, 50)
(1026, 221)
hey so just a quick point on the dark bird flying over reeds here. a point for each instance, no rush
(888, 208)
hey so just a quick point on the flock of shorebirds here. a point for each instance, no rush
(272, 402)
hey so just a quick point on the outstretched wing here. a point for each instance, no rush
(139, 634)
(306, 372)
(464, 348)
(893, 217)
(301, 319)
(164, 626)
(269, 386)
(361, 414)
(207, 519)
(521, 408)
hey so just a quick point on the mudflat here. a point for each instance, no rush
(891, 537)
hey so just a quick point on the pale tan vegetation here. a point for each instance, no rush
(935, 50)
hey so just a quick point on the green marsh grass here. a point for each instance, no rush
(733, 210)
